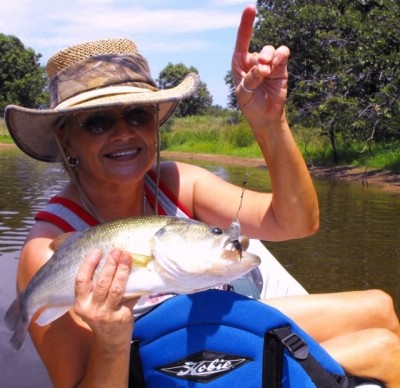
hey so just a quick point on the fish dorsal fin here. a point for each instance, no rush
(59, 240)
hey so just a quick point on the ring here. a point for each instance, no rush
(245, 89)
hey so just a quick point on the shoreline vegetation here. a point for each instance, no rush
(226, 138)
(381, 179)
(384, 180)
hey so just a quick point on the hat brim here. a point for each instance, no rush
(33, 129)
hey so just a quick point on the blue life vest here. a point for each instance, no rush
(223, 339)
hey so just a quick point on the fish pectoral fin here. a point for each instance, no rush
(59, 240)
(50, 314)
(139, 260)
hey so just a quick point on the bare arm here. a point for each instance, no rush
(291, 211)
(90, 345)
(294, 202)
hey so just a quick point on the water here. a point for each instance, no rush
(25, 186)
(357, 247)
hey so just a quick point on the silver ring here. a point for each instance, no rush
(247, 90)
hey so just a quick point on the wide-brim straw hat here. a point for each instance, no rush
(91, 76)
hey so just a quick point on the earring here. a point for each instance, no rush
(73, 162)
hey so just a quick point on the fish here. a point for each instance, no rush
(169, 255)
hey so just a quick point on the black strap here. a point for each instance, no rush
(136, 378)
(272, 362)
(284, 337)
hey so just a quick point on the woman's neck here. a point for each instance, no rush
(107, 204)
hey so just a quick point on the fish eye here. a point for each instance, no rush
(216, 230)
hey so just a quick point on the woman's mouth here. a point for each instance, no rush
(123, 155)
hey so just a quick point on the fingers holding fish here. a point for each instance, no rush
(109, 285)
(101, 299)
(123, 262)
(83, 281)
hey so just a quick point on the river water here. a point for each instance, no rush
(357, 247)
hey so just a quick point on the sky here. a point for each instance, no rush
(199, 33)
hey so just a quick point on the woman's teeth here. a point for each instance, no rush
(123, 153)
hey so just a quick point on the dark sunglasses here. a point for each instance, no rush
(101, 122)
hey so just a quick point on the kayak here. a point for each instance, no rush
(269, 280)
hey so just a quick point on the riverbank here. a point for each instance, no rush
(367, 178)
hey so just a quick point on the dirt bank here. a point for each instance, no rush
(368, 178)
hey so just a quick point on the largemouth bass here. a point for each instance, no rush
(170, 255)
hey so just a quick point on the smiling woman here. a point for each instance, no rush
(122, 143)
(104, 124)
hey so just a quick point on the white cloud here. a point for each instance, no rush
(176, 27)
(77, 19)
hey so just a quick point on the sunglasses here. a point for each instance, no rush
(101, 122)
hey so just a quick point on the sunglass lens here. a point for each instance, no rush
(138, 116)
(98, 123)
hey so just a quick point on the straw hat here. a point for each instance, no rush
(91, 76)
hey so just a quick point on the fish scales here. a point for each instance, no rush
(183, 256)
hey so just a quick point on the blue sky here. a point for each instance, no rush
(199, 33)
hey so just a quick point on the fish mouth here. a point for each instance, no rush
(236, 248)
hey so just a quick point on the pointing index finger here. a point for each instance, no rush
(245, 30)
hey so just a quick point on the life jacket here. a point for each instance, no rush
(223, 339)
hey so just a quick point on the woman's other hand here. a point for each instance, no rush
(260, 78)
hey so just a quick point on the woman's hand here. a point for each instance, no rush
(100, 301)
(260, 78)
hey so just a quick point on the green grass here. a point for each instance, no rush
(230, 134)
(4, 135)
(317, 150)
(225, 135)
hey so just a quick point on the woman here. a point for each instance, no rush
(103, 123)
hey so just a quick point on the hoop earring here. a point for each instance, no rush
(73, 162)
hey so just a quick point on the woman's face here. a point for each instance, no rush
(114, 146)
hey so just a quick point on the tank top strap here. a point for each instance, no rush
(168, 204)
(66, 214)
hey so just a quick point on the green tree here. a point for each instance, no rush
(22, 78)
(198, 103)
(344, 65)
(232, 100)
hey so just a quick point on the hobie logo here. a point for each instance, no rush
(204, 366)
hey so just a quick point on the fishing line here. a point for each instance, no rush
(244, 187)
(234, 228)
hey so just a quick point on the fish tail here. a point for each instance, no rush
(16, 321)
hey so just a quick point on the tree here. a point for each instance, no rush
(344, 65)
(198, 103)
(22, 78)
(232, 100)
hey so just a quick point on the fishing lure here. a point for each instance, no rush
(234, 228)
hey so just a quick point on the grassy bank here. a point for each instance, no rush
(229, 134)
(4, 135)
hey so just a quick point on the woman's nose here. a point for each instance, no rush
(122, 128)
